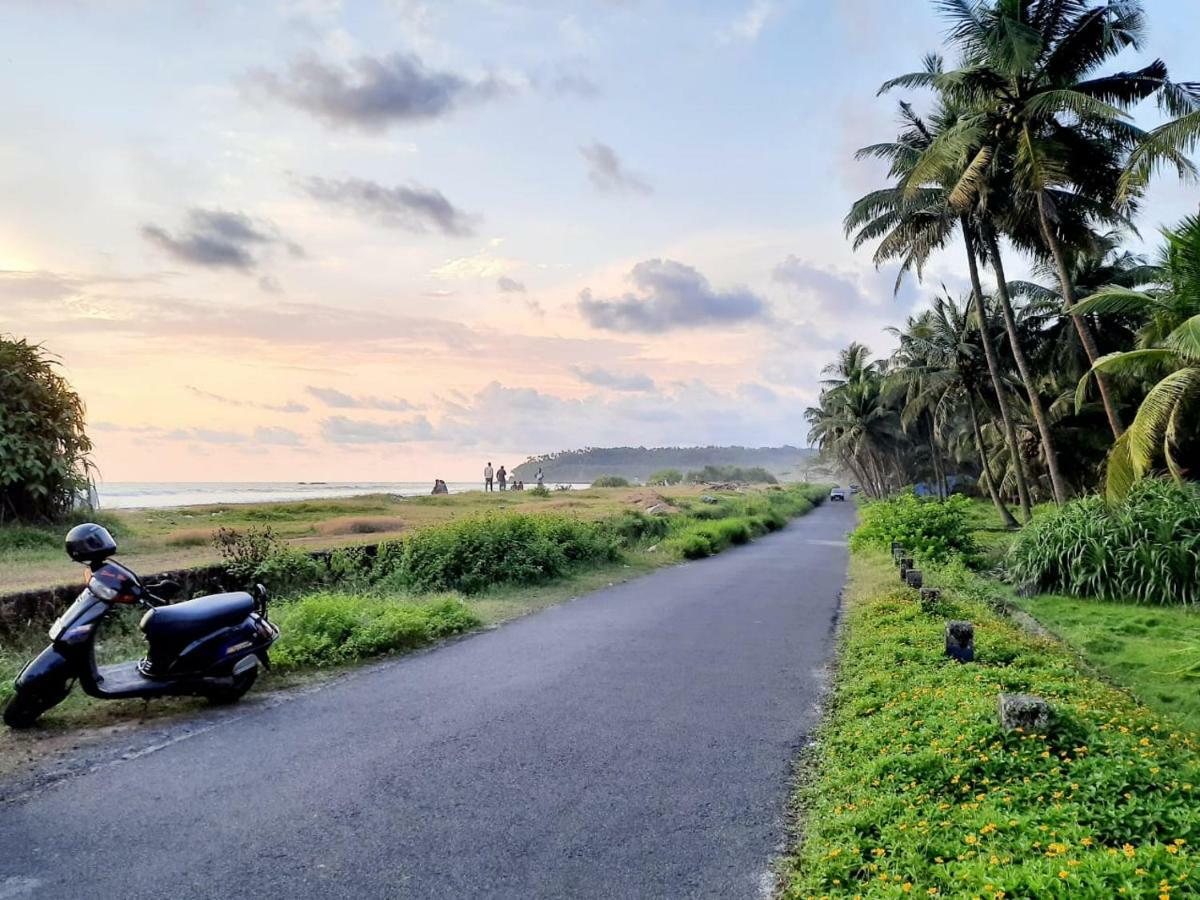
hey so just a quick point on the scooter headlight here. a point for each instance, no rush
(102, 590)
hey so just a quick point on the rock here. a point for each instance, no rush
(708, 498)
(658, 509)
(960, 641)
(913, 578)
(1024, 712)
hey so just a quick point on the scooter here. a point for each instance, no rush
(209, 647)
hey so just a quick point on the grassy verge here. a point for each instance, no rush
(917, 791)
(1155, 652)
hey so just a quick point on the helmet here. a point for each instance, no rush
(90, 543)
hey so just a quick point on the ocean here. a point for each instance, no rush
(158, 494)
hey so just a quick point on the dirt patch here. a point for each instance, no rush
(360, 525)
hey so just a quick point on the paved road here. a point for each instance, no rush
(634, 743)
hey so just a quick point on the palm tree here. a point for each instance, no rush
(1169, 343)
(938, 363)
(911, 221)
(1043, 132)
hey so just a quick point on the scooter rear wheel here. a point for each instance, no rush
(235, 692)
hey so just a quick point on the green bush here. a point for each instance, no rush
(476, 554)
(539, 491)
(1145, 548)
(610, 481)
(632, 527)
(917, 785)
(334, 628)
(931, 531)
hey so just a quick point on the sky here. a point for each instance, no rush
(394, 240)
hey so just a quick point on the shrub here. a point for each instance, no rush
(333, 628)
(286, 572)
(539, 491)
(1145, 548)
(244, 551)
(475, 554)
(930, 530)
(610, 481)
(44, 464)
(632, 528)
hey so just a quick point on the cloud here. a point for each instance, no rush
(218, 239)
(749, 25)
(841, 293)
(607, 172)
(341, 430)
(277, 437)
(339, 400)
(290, 407)
(499, 418)
(479, 265)
(671, 295)
(615, 381)
(372, 93)
(506, 285)
(409, 207)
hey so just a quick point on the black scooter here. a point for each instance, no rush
(209, 647)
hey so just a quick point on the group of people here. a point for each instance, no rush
(493, 478)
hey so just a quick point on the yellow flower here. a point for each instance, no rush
(1087, 842)
(1063, 874)
(1129, 850)
(879, 851)
(1171, 848)
(971, 839)
(906, 887)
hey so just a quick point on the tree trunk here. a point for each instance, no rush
(993, 364)
(1057, 483)
(1067, 289)
(1006, 517)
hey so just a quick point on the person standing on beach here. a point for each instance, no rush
(487, 477)
(540, 477)
(502, 477)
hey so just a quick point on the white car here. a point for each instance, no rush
(838, 494)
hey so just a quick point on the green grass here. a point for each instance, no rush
(916, 791)
(1154, 652)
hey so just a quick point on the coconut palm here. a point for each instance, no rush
(1168, 345)
(1044, 132)
(911, 221)
(939, 364)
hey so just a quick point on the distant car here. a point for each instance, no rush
(838, 494)
(854, 488)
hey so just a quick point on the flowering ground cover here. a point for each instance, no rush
(915, 790)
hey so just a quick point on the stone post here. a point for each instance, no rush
(960, 641)
(1025, 712)
(914, 578)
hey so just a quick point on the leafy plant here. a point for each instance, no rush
(1145, 547)
(328, 629)
(930, 530)
(44, 449)
(244, 551)
(665, 477)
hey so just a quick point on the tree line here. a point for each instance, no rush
(1088, 373)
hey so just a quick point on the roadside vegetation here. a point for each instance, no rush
(916, 789)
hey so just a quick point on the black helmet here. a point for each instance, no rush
(89, 543)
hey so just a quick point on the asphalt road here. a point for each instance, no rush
(637, 742)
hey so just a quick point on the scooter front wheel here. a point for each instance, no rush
(26, 707)
(235, 692)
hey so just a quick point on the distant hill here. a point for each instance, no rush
(637, 463)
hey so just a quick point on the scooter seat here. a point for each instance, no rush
(194, 617)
